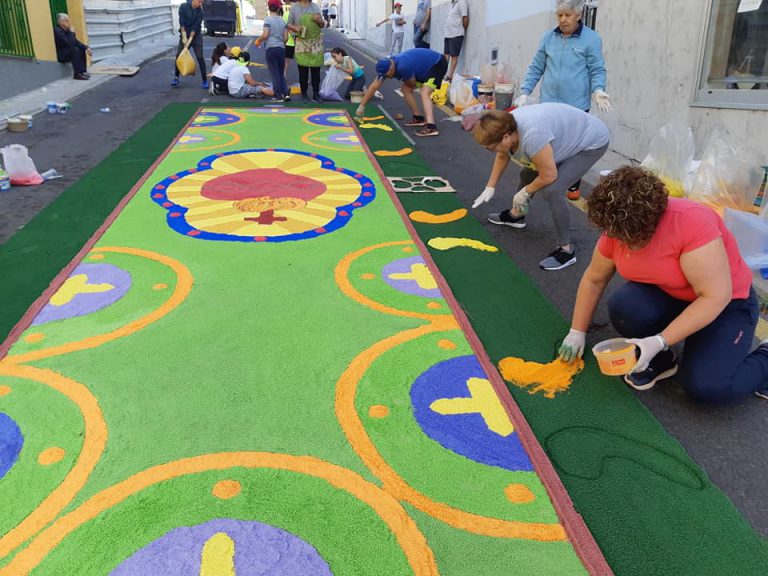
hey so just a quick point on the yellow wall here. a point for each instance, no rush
(77, 18)
(39, 17)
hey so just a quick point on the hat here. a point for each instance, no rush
(274, 5)
(382, 66)
(398, 5)
(235, 51)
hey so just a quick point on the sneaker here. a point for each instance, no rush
(664, 365)
(316, 99)
(304, 99)
(204, 85)
(574, 194)
(416, 121)
(428, 130)
(558, 259)
(378, 95)
(762, 394)
(506, 219)
(175, 83)
(287, 99)
(276, 100)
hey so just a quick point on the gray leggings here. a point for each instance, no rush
(568, 171)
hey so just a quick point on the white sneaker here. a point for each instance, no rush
(379, 95)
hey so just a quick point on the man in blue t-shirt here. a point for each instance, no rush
(190, 30)
(415, 68)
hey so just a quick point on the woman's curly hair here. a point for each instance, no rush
(628, 204)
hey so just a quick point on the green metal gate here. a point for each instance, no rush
(15, 39)
(57, 7)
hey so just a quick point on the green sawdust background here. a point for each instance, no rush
(633, 483)
(228, 371)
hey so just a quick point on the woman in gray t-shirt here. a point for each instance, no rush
(558, 144)
(274, 36)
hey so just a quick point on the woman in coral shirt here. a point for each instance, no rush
(686, 281)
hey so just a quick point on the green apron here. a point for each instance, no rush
(309, 50)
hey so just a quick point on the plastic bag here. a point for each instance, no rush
(19, 166)
(488, 74)
(185, 62)
(329, 89)
(440, 96)
(461, 95)
(670, 155)
(728, 177)
(504, 73)
(470, 116)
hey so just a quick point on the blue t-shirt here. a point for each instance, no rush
(415, 63)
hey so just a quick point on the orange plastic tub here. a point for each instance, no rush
(615, 356)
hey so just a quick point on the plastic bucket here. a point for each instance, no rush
(485, 94)
(615, 356)
(356, 96)
(505, 96)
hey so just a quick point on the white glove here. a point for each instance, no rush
(521, 100)
(360, 112)
(572, 347)
(484, 197)
(520, 201)
(649, 348)
(602, 100)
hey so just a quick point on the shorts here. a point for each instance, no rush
(436, 74)
(452, 46)
(333, 16)
(290, 51)
(325, 15)
(221, 84)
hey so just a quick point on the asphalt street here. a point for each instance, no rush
(727, 442)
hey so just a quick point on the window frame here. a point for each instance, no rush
(721, 97)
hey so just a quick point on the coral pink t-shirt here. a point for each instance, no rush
(685, 226)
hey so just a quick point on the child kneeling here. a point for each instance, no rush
(346, 64)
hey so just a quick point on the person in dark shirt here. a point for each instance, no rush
(190, 26)
(69, 48)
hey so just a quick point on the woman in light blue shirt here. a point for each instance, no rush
(570, 65)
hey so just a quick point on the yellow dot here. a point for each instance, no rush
(5, 390)
(408, 250)
(434, 306)
(378, 411)
(34, 337)
(159, 286)
(226, 489)
(519, 494)
(51, 455)
(96, 257)
(446, 344)
(368, 276)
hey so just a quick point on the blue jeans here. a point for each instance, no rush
(276, 65)
(716, 366)
(356, 84)
(418, 38)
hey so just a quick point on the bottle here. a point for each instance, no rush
(5, 181)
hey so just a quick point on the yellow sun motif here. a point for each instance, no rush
(237, 195)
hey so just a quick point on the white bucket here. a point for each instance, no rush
(504, 95)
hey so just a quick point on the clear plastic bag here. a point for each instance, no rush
(329, 89)
(488, 74)
(503, 73)
(19, 166)
(670, 155)
(461, 95)
(728, 177)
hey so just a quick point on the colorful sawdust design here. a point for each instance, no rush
(394, 153)
(548, 379)
(450, 243)
(426, 218)
(216, 408)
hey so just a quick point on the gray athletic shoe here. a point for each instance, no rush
(506, 219)
(558, 259)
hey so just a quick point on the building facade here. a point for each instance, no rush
(698, 62)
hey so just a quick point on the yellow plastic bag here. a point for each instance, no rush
(186, 63)
(440, 96)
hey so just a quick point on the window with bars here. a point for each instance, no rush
(15, 38)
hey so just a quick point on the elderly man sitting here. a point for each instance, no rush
(69, 48)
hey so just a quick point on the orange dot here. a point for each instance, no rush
(5, 390)
(408, 250)
(434, 306)
(51, 455)
(226, 489)
(96, 257)
(446, 344)
(34, 337)
(368, 276)
(378, 411)
(519, 494)
(159, 286)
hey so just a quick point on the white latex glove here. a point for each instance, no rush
(360, 112)
(484, 197)
(572, 347)
(521, 100)
(520, 201)
(649, 348)
(602, 100)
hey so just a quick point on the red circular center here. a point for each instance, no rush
(271, 182)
